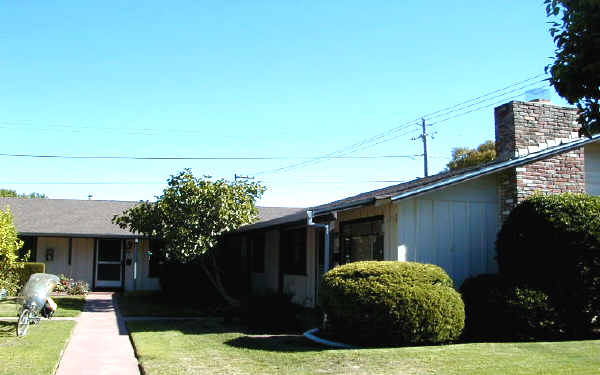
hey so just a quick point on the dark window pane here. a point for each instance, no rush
(110, 251)
(257, 248)
(362, 240)
(293, 251)
(109, 272)
(29, 245)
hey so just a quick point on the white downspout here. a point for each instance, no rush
(326, 249)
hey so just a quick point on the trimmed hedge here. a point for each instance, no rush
(29, 268)
(552, 243)
(385, 303)
(499, 309)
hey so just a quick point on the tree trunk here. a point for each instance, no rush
(214, 276)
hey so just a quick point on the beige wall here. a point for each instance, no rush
(82, 261)
(59, 265)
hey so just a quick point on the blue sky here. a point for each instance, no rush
(285, 79)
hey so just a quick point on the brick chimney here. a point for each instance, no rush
(527, 127)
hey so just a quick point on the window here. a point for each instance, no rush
(293, 251)
(257, 253)
(362, 239)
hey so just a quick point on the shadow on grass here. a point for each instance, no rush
(163, 305)
(8, 329)
(246, 338)
(275, 343)
(70, 303)
(8, 307)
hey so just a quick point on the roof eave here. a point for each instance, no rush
(363, 202)
(80, 235)
(498, 167)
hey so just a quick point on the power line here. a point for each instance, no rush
(384, 136)
(203, 157)
(164, 183)
(504, 94)
(501, 101)
(486, 94)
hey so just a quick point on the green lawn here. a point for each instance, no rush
(209, 347)
(36, 353)
(68, 306)
(160, 305)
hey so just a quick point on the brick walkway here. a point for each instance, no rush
(100, 343)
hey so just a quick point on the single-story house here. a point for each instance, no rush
(77, 238)
(450, 219)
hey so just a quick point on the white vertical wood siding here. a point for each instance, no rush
(454, 228)
(82, 259)
(60, 263)
(592, 168)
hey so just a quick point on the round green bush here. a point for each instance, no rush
(552, 243)
(499, 309)
(391, 303)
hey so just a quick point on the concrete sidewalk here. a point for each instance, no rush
(100, 343)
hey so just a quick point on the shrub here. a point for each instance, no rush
(391, 303)
(188, 281)
(499, 309)
(9, 253)
(552, 243)
(273, 311)
(29, 268)
(70, 286)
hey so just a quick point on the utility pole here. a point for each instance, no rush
(424, 137)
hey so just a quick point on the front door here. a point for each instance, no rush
(108, 264)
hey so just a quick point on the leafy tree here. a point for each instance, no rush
(463, 157)
(9, 253)
(7, 193)
(191, 216)
(575, 72)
